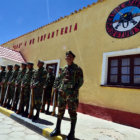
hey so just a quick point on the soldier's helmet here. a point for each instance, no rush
(10, 66)
(50, 67)
(24, 64)
(41, 62)
(16, 65)
(70, 53)
(3, 67)
(30, 63)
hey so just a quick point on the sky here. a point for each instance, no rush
(18, 17)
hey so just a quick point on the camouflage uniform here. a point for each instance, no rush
(26, 90)
(5, 81)
(38, 81)
(72, 80)
(2, 76)
(47, 94)
(55, 93)
(49, 84)
(18, 83)
(12, 80)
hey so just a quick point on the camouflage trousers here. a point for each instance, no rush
(10, 94)
(17, 94)
(26, 95)
(38, 97)
(72, 101)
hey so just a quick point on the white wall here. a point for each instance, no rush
(6, 62)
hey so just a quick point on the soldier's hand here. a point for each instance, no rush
(1, 83)
(33, 86)
(55, 90)
(9, 83)
(22, 86)
(61, 91)
(16, 85)
(44, 87)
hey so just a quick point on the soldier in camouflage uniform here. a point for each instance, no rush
(25, 90)
(11, 83)
(48, 89)
(5, 81)
(71, 81)
(18, 86)
(55, 92)
(2, 76)
(37, 83)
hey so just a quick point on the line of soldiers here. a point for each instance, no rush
(21, 90)
(29, 89)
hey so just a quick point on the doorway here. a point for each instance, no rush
(55, 64)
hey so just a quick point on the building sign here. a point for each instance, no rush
(47, 36)
(124, 21)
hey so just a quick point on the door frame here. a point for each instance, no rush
(54, 61)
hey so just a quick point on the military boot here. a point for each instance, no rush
(26, 113)
(71, 135)
(36, 117)
(56, 131)
(48, 107)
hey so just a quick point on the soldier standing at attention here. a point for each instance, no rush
(48, 89)
(37, 83)
(55, 91)
(18, 85)
(25, 90)
(71, 81)
(5, 81)
(11, 84)
(2, 76)
(2, 73)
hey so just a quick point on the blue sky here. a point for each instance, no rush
(18, 17)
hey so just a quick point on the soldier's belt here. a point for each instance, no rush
(68, 86)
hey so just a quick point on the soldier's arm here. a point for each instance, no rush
(79, 79)
(42, 80)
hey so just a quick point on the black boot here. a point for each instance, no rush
(56, 131)
(71, 135)
(36, 117)
(48, 107)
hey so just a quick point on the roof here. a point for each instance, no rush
(11, 55)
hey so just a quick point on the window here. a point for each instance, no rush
(124, 70)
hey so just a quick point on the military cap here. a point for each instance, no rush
(70, 53)
(50, 67)
(40, 61)
(25, 64)
(3, 67)
(11, 66)
(17, 65)
(30, 63)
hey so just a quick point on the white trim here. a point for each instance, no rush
(54, 61)
(112, 54)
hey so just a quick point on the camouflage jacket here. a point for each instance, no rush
(39, 77)
(7, 76)
(12, 79)
(49, 80)
(28, 77)
(2, 75)
(20, 76)
(57, 82)
(71, 78)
